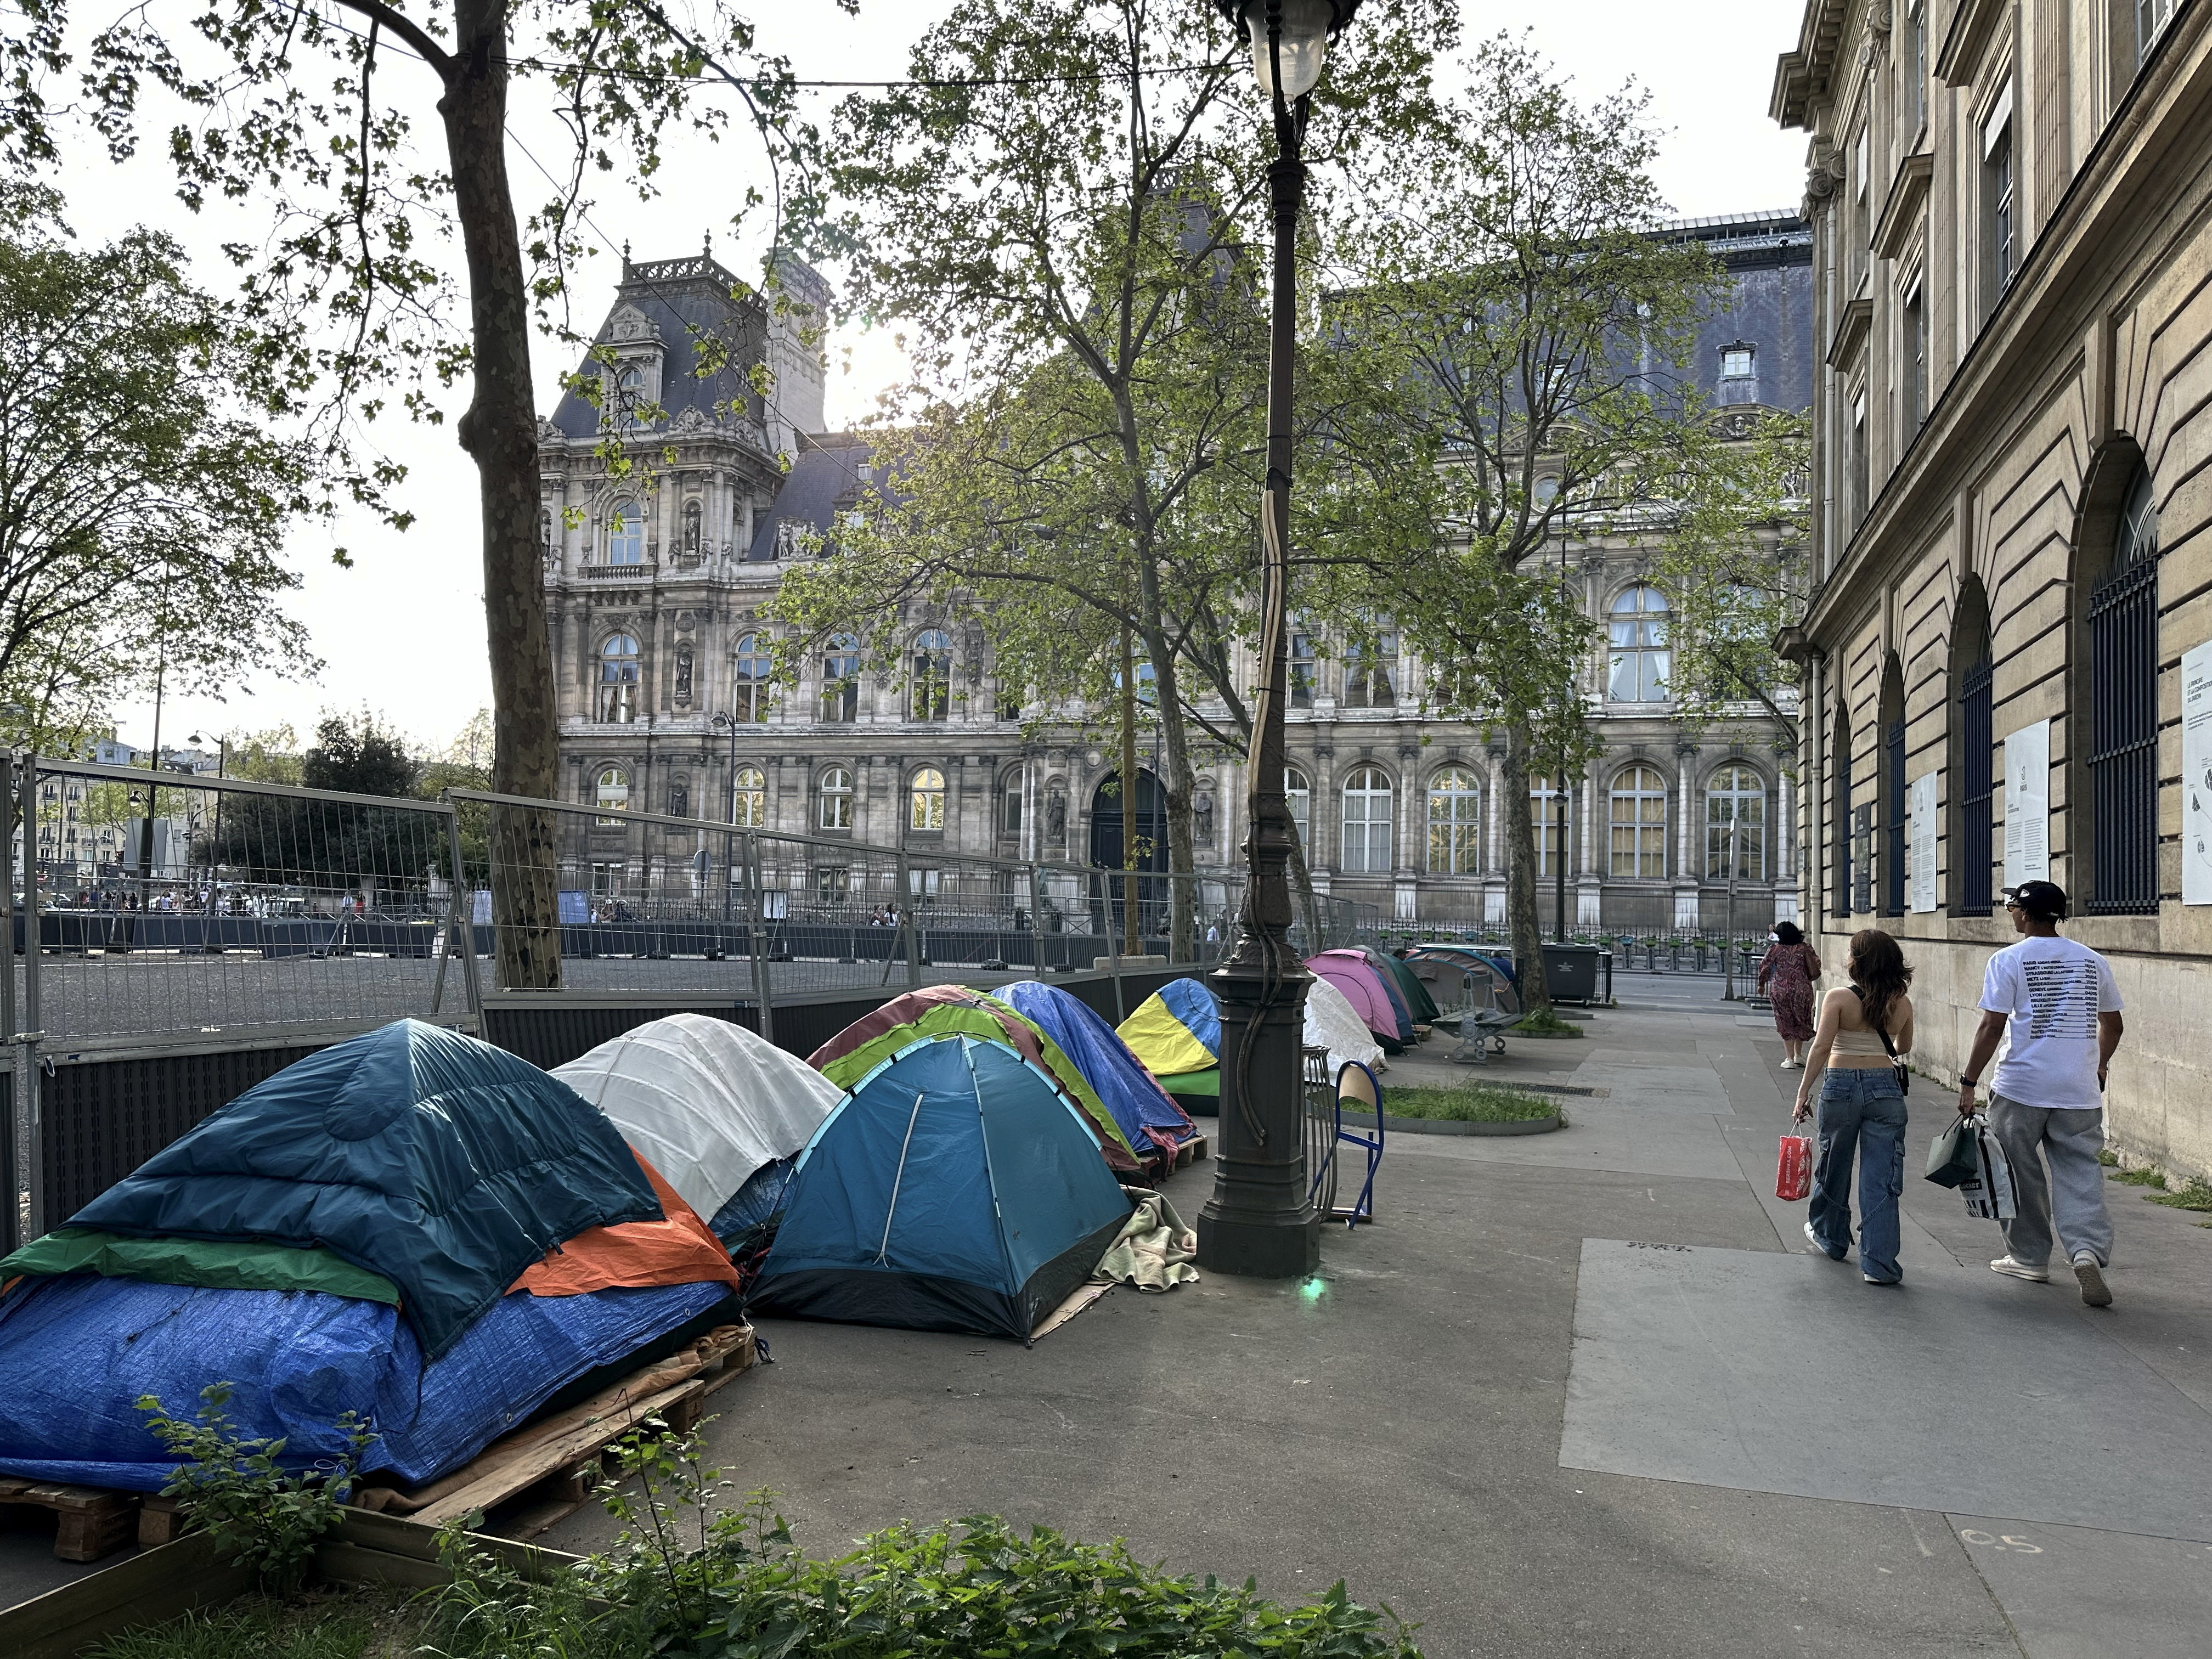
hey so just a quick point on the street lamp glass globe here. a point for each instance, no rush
(1302, 45)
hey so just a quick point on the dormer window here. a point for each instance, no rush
(1736, 363)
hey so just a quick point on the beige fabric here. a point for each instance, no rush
(1153, 1251)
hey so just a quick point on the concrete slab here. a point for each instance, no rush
(1601, 1134)
(2071, 1593)
(1655, 1089)
(1781, 1373)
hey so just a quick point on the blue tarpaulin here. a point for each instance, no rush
(77, 1354)
(442, 1162)
(1139, 1105)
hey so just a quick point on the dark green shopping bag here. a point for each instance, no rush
(1955, 1158)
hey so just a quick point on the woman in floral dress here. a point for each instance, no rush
(1786, 974)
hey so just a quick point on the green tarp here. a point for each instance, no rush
(215, 1264)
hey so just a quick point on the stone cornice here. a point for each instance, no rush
(1851, 331)
(1902, 210)
(1972, 25)
(1804, 75)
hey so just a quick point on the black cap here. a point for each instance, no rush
(2046, 899)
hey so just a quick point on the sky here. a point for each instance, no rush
(401, 632)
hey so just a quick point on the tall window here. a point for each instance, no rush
(693, 518)
(1892, 801)
(1370, 670)
(1735, 803)
(2151, 18)
(841, 679)
(1974, 831)
(1367, 821)
(1010, 807)
(1839, 770)
(833, 885)
(834, 796)
(1997, 191)
(926, 800)
(625, 534)
(1455, 823)
(1300, 789)
(930, 689)
(1640, 823)
(612, 794)
(1547, 808)
(1913, 384)
(2123, 627)
(618, 679)
(748, 799)
(1301, 668)
(749, 676)
(1855, 461)
(1640, 656)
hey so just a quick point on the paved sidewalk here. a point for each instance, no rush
(1584, 1395)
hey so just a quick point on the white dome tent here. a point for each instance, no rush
(1334, 1024)
(706, 1102)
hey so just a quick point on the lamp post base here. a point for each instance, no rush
(1260, 1223)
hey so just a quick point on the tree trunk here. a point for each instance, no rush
(1521, 874)
(1132, 925)
(500, 433)
(1178, 786)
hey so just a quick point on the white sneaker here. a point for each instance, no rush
(1793, 1065)
(2012, 1269)
(2094, 1290)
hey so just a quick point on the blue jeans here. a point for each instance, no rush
(1862, 1110)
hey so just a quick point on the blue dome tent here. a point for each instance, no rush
(1147, 1113)
(956, 1188)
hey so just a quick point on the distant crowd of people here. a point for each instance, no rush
(2050, 1019)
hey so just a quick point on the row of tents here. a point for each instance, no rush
(434, 1235)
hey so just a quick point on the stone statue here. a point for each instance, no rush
(1205, 817)
(1055, 817)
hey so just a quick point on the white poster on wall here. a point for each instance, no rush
(2027, 804)
(1921, 870)
(2197, 775)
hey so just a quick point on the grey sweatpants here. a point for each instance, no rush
(2075, 1188)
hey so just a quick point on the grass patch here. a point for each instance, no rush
(1546, 1023)
(1468, 1103)
(2192, 1195)
(318, 1626)
(2108, 1158)
(2144, 1177)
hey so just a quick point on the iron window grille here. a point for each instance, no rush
(1976, 853)
(2123, 629)
(1892, 875)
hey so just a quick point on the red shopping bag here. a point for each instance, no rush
(1793, 1172)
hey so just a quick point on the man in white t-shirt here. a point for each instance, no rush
(2054, 1005)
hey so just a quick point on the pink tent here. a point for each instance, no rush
(1354, 975)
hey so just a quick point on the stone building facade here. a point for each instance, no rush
(657, 600)
(2012, 213)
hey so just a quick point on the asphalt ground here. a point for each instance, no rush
(1398, 1421)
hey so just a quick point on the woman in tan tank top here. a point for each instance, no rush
(1862, 1106)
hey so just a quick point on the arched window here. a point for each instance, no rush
(926, 800)
(835, 794)
(1300, 789)
(1640, 658)
(625, 534)
(841, 679)
(1735, 797)
(1010, 805)
(1547, 810)
(693, 518)
(1973, 754)
(748, 799)
(1370, 669)
(618, 679)
(612, 794)
(1366, 821)
(1839, 807)
(2123, 630)
(1640, 823)
(930, 688)
(1455, 823)
(1891, 788)
(749, 677)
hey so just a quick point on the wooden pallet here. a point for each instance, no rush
(552, 1466)
(1191, 1151)
(93, 1522)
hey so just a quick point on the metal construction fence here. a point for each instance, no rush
(189, 934)
(1686, 951)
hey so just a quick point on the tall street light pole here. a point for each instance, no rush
(1260, 1220)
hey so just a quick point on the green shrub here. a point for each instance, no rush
(2192, 1195)
(683, 1580)
(1544, 1024)
(2143, 1177)
(260, 1514)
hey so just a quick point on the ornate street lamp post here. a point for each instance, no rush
(1260, 1220)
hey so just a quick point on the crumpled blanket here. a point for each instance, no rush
(1153, 1250)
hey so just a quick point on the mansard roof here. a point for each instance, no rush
(827, 472)
(679, 304)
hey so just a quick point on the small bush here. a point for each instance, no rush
(684, 1580)
(2108, 1158)
(261, 1513)
(2192, 1195)
(1546, 1023)
(1471, 1103)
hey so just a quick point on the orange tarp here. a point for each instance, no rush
(679, 1250)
